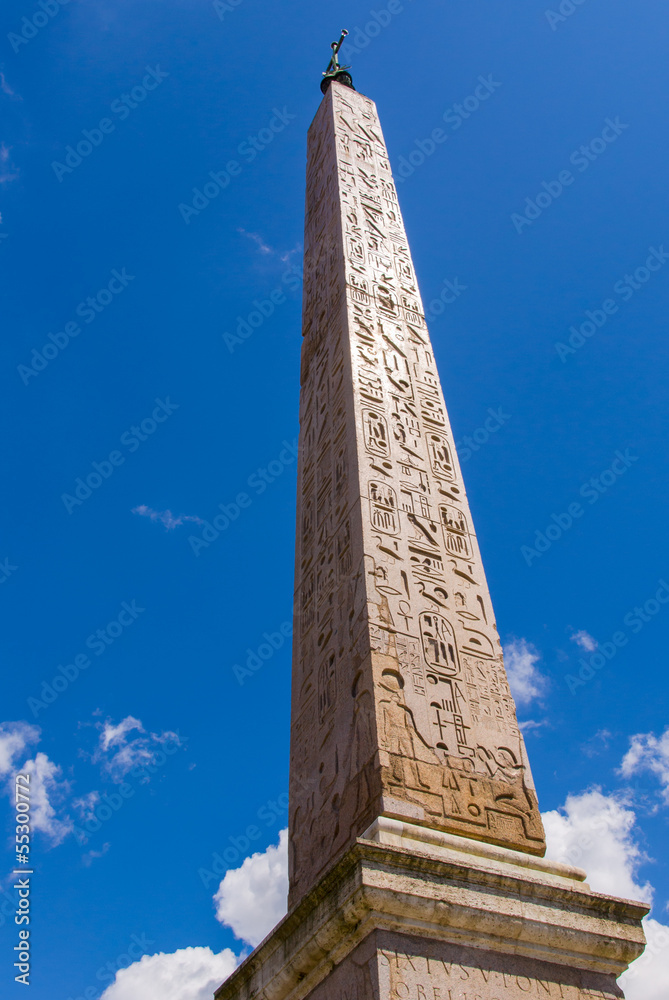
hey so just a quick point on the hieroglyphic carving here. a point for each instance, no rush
(393, 615)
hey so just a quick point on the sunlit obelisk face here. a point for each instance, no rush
(401, 706)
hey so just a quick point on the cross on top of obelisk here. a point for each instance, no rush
(334, 70)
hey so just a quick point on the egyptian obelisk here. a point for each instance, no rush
(416, 842)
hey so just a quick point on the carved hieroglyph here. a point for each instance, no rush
(401, 705)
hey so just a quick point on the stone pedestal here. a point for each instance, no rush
(415, 914)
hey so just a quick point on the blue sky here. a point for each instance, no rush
(540, 234)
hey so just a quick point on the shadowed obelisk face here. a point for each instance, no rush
(401, 705)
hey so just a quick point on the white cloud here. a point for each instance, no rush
(46, 788)
(584, 640)
(525, 681)
(252, 899)
(113, 736)
(596, 832)
(648, 977)
(649, 752)
(186, 974)
(166, 517)
(14, 738)
(85, 805)
(118, 755)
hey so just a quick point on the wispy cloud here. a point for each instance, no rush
(286, 256)
(165, 517)
(117, 754)
(526, 681)
(85, 805)
(263, 247)
(268, 251)
(7, 170)
(597, 744)
(530, 724)
(649, 752)
(90, 856)
(115, 736)
(14, 738)
(584, 640)
(4, 86)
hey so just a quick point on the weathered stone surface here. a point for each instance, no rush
(401, 706)
(395, 924)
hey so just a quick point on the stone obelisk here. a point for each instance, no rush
(416, 842)
(401, 706)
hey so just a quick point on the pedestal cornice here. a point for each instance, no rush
(503, 911)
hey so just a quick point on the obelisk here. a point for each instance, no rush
(416, 842)
(400, 702)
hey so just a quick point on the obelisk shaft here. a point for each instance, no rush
(400, 702)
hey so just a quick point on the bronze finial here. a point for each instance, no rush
(334, 70)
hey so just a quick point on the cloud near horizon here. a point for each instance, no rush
(597, 832)
(252, 899)
(186, 974)
(592, 830)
